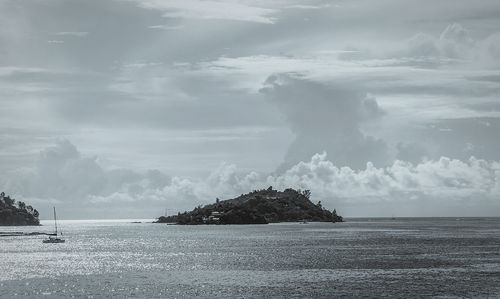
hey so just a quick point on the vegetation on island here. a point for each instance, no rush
(258, 207)
(12, 213)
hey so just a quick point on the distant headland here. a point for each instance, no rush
(258, 207)
(20, 215)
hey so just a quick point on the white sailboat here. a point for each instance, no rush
(54, 238)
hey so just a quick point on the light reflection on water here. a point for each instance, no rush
(362, 257)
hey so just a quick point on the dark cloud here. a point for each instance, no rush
(326, 118)
(62, 174)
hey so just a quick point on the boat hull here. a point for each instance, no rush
(54, 241)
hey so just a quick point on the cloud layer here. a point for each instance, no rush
(191, 88)
(78, 183)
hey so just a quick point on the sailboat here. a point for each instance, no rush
(54, 238)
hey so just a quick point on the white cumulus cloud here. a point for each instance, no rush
(77, 182)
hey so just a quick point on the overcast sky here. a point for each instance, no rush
(120, 109)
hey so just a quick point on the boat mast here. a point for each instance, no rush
(55, 221)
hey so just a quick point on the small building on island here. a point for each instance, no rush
(214, 218)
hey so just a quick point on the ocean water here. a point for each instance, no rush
(434, 257)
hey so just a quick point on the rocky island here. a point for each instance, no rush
(10, 214)
(258, 207)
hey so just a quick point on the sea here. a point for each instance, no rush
(360, 258)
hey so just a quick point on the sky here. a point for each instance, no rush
(126, 108)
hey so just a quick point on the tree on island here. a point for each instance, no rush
(21, 205)
(337, 217)
(20, 215)
(6, 199)
(258, 207)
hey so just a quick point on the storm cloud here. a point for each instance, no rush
(327, 118)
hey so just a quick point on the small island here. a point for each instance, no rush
(10, 214)
(258, 207)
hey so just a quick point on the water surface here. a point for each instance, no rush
(435, 257)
